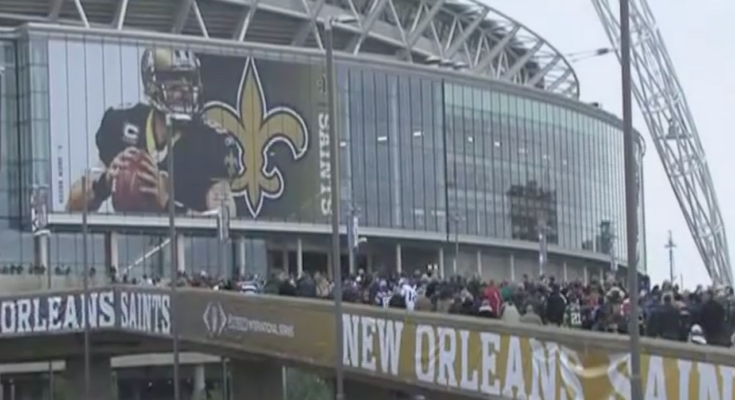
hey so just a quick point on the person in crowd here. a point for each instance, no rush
(510, 313)
(703, 316)
(530, 317)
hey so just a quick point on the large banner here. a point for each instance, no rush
(467, 356)
(245, 132)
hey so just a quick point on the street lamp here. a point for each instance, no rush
(171, 118)
(631, 200)
(86, 181)
(39, 228)
(335, 198)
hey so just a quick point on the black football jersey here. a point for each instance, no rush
(203, 153)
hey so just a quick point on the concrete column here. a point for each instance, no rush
(478, 262)
(100, 382)
(253, 380)
(441, 263)
(370, 262)
(41, 252)
(286, 262)
(565, 271)
(399, 259)
(111, 252)
(200, 384)
(241, 255)
(586, 274)
(181, 252)
(299, 257)
(512, 262)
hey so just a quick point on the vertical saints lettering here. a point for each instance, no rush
(325, 168)
(57, 313)
(145, 312)
(372, 344)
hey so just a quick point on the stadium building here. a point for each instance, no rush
(463, 143)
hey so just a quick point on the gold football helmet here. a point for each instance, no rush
(171, 80)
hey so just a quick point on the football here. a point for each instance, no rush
(126, 194)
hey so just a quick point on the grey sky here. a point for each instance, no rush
(700, 40)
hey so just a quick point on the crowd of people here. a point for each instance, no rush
(702, 316)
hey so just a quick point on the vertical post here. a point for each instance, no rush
(85, 282)
(455, 267)
(353, 237)
(542, 247)
(42, 235)
(631, 200)
(174, 245)
(670, 245)
(223, 232)
(299, 257)
(335, 197)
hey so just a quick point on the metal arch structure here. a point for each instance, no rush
(465, 35)
(663, 104)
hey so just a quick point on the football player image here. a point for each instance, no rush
(133, 152)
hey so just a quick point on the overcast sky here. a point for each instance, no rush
(700, 40)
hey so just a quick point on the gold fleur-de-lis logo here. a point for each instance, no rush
(258, 128)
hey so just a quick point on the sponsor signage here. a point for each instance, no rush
(249, 131)
(467, 356)
(218, 322)
(141, 311)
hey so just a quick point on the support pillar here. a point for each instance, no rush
(241, 256)
(586, 275)
(286, 262)
(180, 253)
(199, 390)
(478, 263)
(441, 263)
(565, 271)
(100, 382)
(299, 257)
(399, 259)
(512, 262)
(370, 262)
(111, 254)
(41, 244)
(256, 380)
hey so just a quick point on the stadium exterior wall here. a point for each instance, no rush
(423, 150)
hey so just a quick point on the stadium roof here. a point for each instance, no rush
(462, 35)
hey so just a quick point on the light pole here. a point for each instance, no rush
(39, 228)
(174, 246)
(335, 198)
(631, 200)
(670, 246)
(353, 236)
(455, 265)
(86, 180)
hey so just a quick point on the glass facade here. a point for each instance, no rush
(428, 154)
(419, 151)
